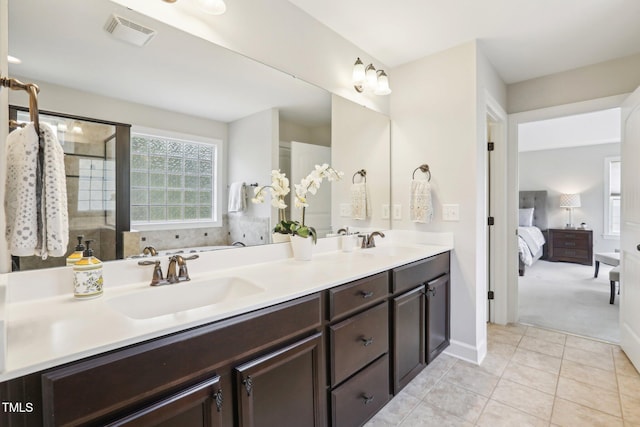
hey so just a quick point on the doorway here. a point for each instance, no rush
(545, 174)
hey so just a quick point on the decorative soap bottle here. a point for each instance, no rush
(87, 275)
(77, 255)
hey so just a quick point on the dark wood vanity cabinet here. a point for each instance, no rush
(409, 336)
(200, 405)
(283, 388)
(358, 334)
(331, 358)
(420, 316)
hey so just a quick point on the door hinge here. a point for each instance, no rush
(491, 221)
(491, 296)
(490, 146)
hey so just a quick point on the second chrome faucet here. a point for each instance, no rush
(176, 262)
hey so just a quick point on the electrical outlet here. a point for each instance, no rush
(385, 211)
(397, 211)
(451, 212)
(345, 210)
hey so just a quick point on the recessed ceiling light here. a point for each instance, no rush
(13, 60)
(213, 7)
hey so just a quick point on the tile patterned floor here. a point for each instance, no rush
(530, 377)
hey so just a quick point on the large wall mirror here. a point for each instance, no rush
(185, 88)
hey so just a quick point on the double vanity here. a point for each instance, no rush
(255, 338)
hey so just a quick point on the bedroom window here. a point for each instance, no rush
(612, 197)
(173, 180)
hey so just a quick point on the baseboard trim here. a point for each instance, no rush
(467, 352)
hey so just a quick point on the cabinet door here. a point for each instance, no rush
(283, 388)
(438, 301)
(200, 405)
(408, 336)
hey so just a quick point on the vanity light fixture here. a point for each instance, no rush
(368, 78)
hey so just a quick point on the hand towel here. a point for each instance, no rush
(237, 197)
(55, 216)
(420, 203)
(360, 203)
(20, 204)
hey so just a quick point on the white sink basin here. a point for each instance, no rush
(170, 299)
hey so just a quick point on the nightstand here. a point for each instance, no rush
(570, 245)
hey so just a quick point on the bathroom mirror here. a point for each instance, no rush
(177, 83)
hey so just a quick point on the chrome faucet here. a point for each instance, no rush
(368, 241)
(182, 275)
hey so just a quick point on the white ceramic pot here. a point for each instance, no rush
(302, 248)
(280, 238)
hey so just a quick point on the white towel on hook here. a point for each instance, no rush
(360, 204)
(20, 201)
(420, 203)
(26, 236)
(55, 216)
(237, 197)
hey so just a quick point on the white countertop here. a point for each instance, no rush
(45, 326)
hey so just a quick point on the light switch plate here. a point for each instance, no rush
(397, 211)
(451, 212)
(345, 210)
(385, 211)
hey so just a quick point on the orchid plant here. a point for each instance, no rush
(279, 189)
(310, 185)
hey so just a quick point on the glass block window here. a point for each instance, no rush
(96, 185)
(172, 180)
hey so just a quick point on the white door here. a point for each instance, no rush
(630, 231)
(304, 158)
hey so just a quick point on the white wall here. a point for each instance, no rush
(571, 170)
(317, 135)
(360, 140)
(252, 154)
(5, 264)
(65, 100)
(613, 77)
(436, 120)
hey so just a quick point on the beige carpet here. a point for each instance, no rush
(566, 297)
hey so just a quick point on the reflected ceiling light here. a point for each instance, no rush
(370, 79)
(76, 128)
(13, 60)
(212, 7)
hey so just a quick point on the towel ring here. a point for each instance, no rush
(362, 173)
(424, 169)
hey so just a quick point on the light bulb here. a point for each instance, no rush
(372, 76)
(213, 7)
(383, 84)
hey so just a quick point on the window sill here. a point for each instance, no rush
(175, 225)
(611, 236)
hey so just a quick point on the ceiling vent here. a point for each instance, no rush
(128, 31)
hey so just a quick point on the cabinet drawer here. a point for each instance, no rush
(357, 341)
(410, 275)
(356, 295)
(357, 400)
(579, 243)
(571, 253)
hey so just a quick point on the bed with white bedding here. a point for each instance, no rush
(532, 219)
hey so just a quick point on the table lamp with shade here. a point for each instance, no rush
(570, 201)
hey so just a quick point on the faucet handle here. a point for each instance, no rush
(157, 278)
(183, 273)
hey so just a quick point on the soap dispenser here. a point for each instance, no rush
(77, 254)
(87, 275)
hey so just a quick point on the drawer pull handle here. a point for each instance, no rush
(366, 294)
(367, 399)
(219, 400)
(569, 243)
(367, 341)
(248, 384)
